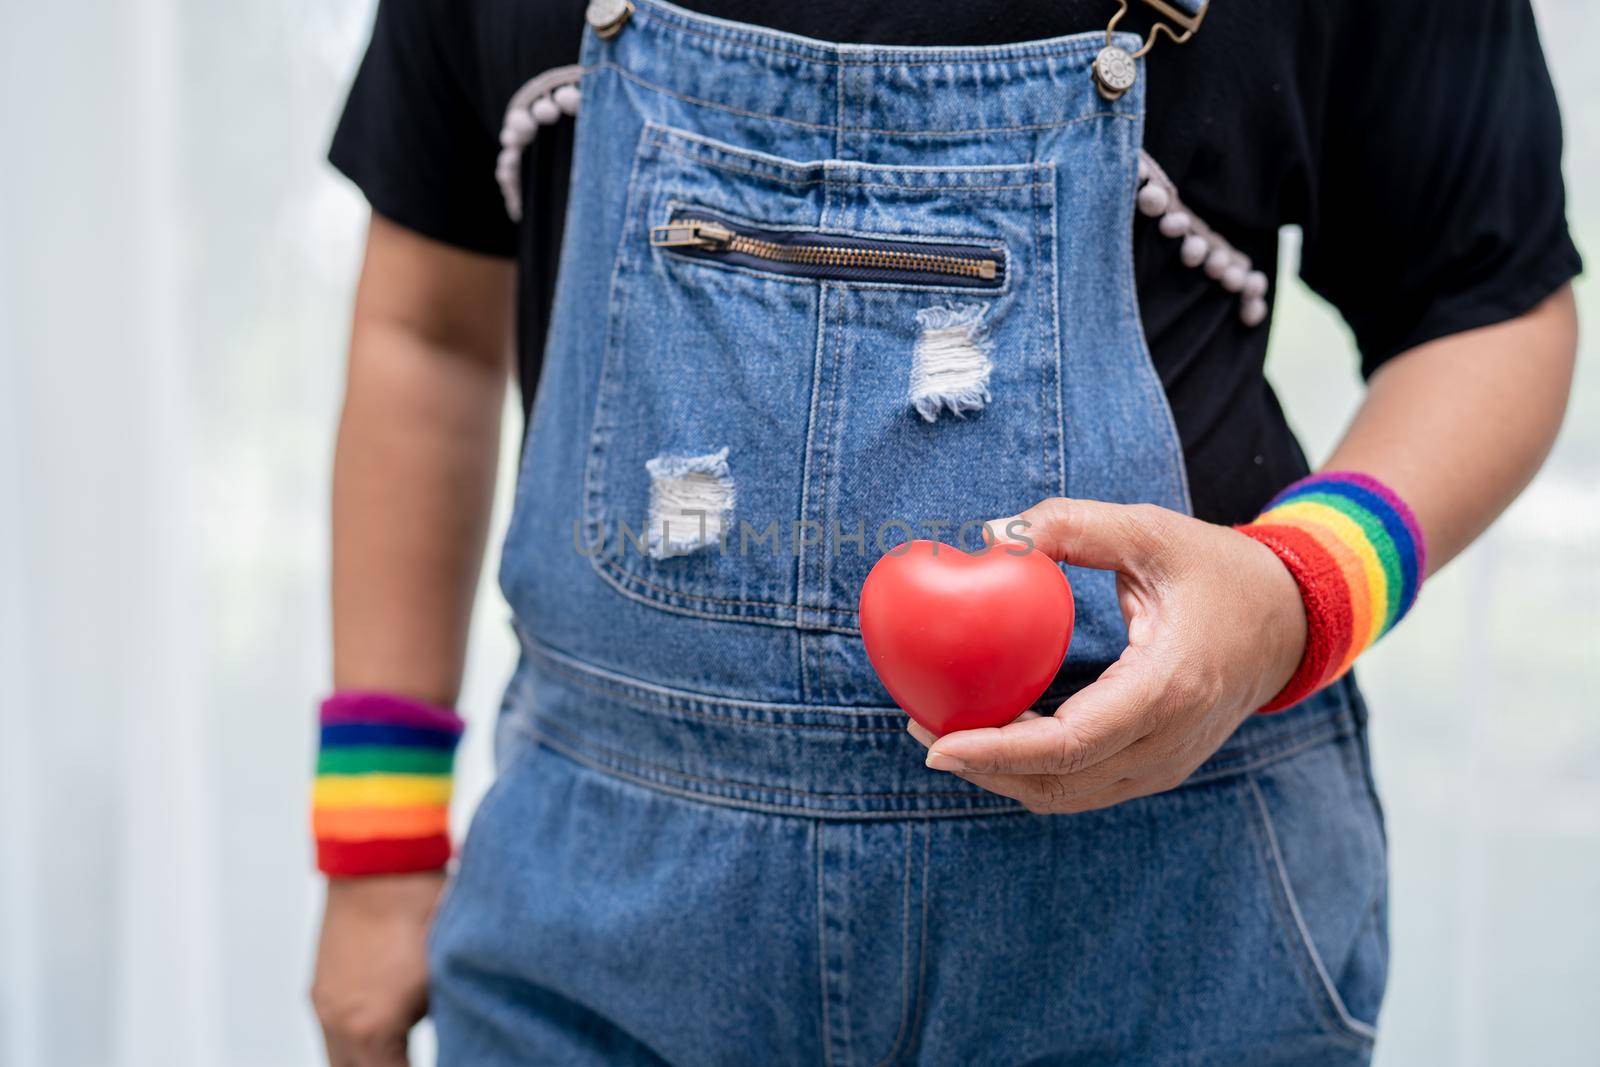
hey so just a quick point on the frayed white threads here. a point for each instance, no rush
(950, 367)
(690, 500)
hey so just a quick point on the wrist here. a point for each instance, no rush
(1357, 558)
(380, 803)
(1282, 634)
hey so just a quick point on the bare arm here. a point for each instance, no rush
(413, 475)
(1459, 426)
(412, 486)
(1215, 624)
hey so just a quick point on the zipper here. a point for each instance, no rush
(830, 256)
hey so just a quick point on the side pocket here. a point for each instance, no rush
(1323, 855)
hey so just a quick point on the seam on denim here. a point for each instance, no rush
(822, 948)
(593, 477)
(982, 131)
(604, 754)
(696, 101)
(832, 430)
(968, 811)
(813, 417)
(922, 942)
(1053, 279)
(621, 575)
(664, 601)
(671, 711)
(624, 573)
(736, 36)
(905, 954)
(663, 135)
(657, 87)
(1265, 752)
(838, 111)
(611, 757)
(658, 699)
(967, 187)
(1149, 378)
(1348, 1026)
(656, 691)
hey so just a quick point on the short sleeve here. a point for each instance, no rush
(413, 138)
(1440, 205)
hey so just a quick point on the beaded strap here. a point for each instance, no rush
(381, 801)
(1358, 557)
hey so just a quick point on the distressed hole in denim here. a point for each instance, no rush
(690, 498)
(950, 367)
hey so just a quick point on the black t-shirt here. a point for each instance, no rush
(1417, 145)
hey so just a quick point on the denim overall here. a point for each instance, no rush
(813, 299)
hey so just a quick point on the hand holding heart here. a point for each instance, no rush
(1216, 627)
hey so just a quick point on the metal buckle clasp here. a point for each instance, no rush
(1115, 69)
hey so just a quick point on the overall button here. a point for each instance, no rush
(1114, 72)
(607, 17)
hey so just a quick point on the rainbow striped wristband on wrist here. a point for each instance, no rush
(1358, 556)
(381, 801)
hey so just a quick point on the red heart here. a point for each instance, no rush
(965, 641)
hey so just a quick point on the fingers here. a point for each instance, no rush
(1098, 749)
(1089, 533)
(1096, 723)
(1047, 794)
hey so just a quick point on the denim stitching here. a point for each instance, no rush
(905, 954)
(966, 187)
(978, 131)
(763, 807)
(822, 947)
(1149, 380)
(790, 46)
(922, 944)
(602, 757)
(829, 460)
(652, 698)
(667, 601)
(813, 418)
(688, 712)
(1042, 258)
(695, 101)
(663, 135)
(1347, 1026)
(1273, 750)
(593, 476)
(915, 176)
(622, 575)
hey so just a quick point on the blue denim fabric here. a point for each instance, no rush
(711, 840)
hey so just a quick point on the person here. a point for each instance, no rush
(780, 304)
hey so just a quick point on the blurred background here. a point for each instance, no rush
(176, 267)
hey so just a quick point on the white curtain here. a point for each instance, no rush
(175, 270)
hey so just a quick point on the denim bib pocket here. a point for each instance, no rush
(806, 363)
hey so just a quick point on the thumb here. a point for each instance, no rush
(1089, 533)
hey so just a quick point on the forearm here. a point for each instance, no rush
(413, 479)
(1458, 427)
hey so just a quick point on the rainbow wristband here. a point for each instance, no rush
(1358, 556)
(381, 801)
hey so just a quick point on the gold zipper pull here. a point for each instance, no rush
(690, 234)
